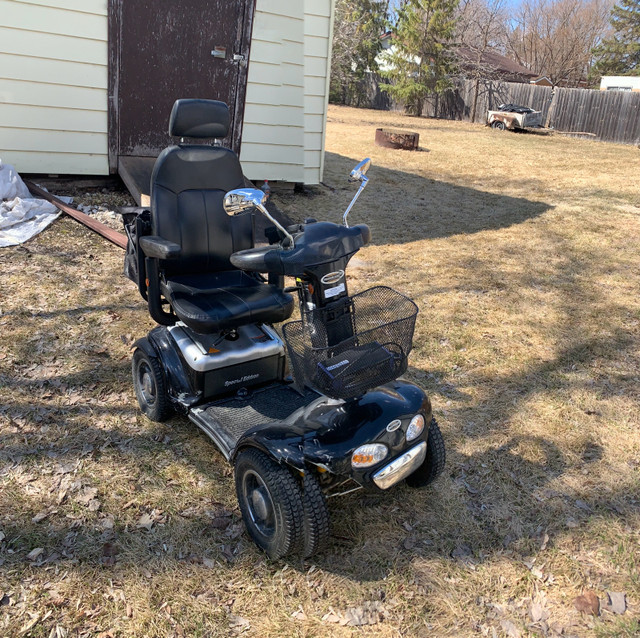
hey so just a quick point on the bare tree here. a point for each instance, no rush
(480, 30)
(554, 38)
(358, 26)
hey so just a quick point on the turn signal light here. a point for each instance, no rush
(368, 455)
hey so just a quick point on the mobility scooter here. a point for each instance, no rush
(335, 419)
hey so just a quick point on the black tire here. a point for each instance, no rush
(433, 463)
(316, 517)
(498, 125)
(271, 503)
(150, 386)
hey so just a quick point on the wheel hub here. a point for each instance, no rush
(260, 504)
(147, 386)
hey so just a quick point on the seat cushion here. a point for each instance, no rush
(212, 302)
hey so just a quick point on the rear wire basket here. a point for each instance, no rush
(354, 345)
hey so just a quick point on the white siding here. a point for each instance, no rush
(286, 103)
(54, 78)
(53, 86)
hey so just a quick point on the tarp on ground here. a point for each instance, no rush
(21, 215)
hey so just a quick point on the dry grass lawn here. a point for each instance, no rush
(522, 253)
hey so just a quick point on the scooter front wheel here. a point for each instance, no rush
(433, 463)
(270, 502)
(316, 517)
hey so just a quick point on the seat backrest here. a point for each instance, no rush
(188, 184)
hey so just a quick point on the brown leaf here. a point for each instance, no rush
(220, 522)
(94, 505)
(34, 553)
(537, 612)
(87, 495)
(370, 613)
(40, 516)
(109, 553)
(299, 614)
(510, 629)
(145, 521)
(462, 551)
(588, 603)
(616, 602)
(545, 542)
(238, 623)
(331, 617)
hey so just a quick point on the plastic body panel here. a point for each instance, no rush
(327, 431)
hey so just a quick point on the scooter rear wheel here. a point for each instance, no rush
(433, 463)
(150, 387)
(270, 502)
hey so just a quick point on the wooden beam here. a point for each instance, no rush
(119, 239)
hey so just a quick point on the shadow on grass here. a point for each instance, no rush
(413, 207)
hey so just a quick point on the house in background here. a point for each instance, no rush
(86, 86)
(494, 65)
(620, 83)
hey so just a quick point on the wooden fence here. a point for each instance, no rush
(611, 116)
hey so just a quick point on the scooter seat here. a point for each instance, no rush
(212, 302)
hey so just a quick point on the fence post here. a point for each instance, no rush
(554, 92)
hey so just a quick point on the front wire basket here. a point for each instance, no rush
(363, 345)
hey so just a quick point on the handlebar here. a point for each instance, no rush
(318, 243)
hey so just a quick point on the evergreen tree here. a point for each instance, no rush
(357, 28)
(421, 62)
(620, 54)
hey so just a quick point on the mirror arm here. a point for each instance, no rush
(363, 182)
(276, 223)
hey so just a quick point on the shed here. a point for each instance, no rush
(87, 85)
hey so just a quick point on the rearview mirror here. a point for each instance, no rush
(242, 199)
(358, 173)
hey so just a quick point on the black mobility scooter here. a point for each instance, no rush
(343, 420)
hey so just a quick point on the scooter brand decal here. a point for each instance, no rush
(333, 277)
(394, 425)
(248, 377)
(333, 292)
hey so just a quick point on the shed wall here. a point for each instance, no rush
(53, 85)
(54, 88)
(287, 91)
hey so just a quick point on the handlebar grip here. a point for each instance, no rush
(251, 260)
(365, 232)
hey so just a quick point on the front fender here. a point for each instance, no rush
(282, 443)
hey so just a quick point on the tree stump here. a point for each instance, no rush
(396, 138)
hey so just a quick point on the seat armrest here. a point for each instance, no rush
(154, 246)
(130, 210)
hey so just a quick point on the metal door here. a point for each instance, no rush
(162, 50)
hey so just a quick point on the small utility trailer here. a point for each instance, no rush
(511, 116)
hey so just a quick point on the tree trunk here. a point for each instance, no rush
(474, 104)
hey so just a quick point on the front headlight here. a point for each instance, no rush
(368, 455)
(416, 425)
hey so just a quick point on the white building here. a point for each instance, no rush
(62, 109)
(620, 83)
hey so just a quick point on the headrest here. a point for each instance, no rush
(199, 118)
